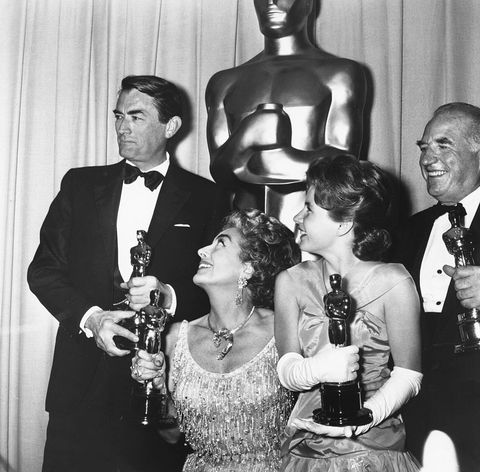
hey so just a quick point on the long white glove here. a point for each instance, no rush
(330, 364)
(402, 385)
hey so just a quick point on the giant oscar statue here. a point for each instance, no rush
(271, 116)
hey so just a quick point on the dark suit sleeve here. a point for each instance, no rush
(48, 274)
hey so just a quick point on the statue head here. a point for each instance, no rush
(279, 18)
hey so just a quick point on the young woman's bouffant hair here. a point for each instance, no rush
(357, 191)
(269, 246)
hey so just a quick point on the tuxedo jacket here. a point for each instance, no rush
(75, 264)
(410, 247)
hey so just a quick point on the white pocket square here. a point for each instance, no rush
(182, 225)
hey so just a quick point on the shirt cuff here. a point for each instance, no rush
(91, 311)
(173, 307)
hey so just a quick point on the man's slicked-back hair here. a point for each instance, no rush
(167, 97)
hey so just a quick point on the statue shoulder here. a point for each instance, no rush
(219, 85)
(223, 79)
(341, 66)
(344, 71)
(350, 67)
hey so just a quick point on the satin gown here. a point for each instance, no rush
(232, 421)
(382, 448)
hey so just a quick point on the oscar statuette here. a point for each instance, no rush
(459, 242)
(341, 401)
(149, 405)
(140, 256)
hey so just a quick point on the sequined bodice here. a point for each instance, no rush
(232, 421)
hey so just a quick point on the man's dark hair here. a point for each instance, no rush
(167, 98)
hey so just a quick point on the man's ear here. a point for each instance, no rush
(173, 125)
(344, 228)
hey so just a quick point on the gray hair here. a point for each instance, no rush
(469, 111)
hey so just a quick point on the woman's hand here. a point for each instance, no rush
(147, 366)
(337, 364)
(330, 364)
(324, 430)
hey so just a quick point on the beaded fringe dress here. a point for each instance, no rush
(232, 421)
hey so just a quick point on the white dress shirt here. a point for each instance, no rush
(433, 280)
(135, 211)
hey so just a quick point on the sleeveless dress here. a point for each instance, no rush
(232, 421)
(382, 448)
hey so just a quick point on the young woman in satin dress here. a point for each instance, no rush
(343, 222)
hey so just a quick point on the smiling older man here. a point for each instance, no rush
(450, 165)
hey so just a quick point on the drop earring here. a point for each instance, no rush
(241, 284)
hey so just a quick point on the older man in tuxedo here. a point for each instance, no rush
(82, 267)
(450, 165)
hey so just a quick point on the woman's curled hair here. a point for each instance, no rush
(356, 191)
(269, 246)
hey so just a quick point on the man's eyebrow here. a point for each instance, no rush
(136, 112)
(130, 112)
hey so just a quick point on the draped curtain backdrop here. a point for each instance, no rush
(61, 65)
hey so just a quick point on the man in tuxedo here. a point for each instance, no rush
(450, 165)
(82, 266)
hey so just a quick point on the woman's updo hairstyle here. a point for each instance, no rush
(269, 246)
(356, 191)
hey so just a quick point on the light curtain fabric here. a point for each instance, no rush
(61, 62)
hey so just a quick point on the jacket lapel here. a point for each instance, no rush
(107, 191)
(422, 234)
(171, 199)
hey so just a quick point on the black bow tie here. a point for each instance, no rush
(440, 209)
(152, 179)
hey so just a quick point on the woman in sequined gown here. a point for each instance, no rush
(229, 402)
(343, 222)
